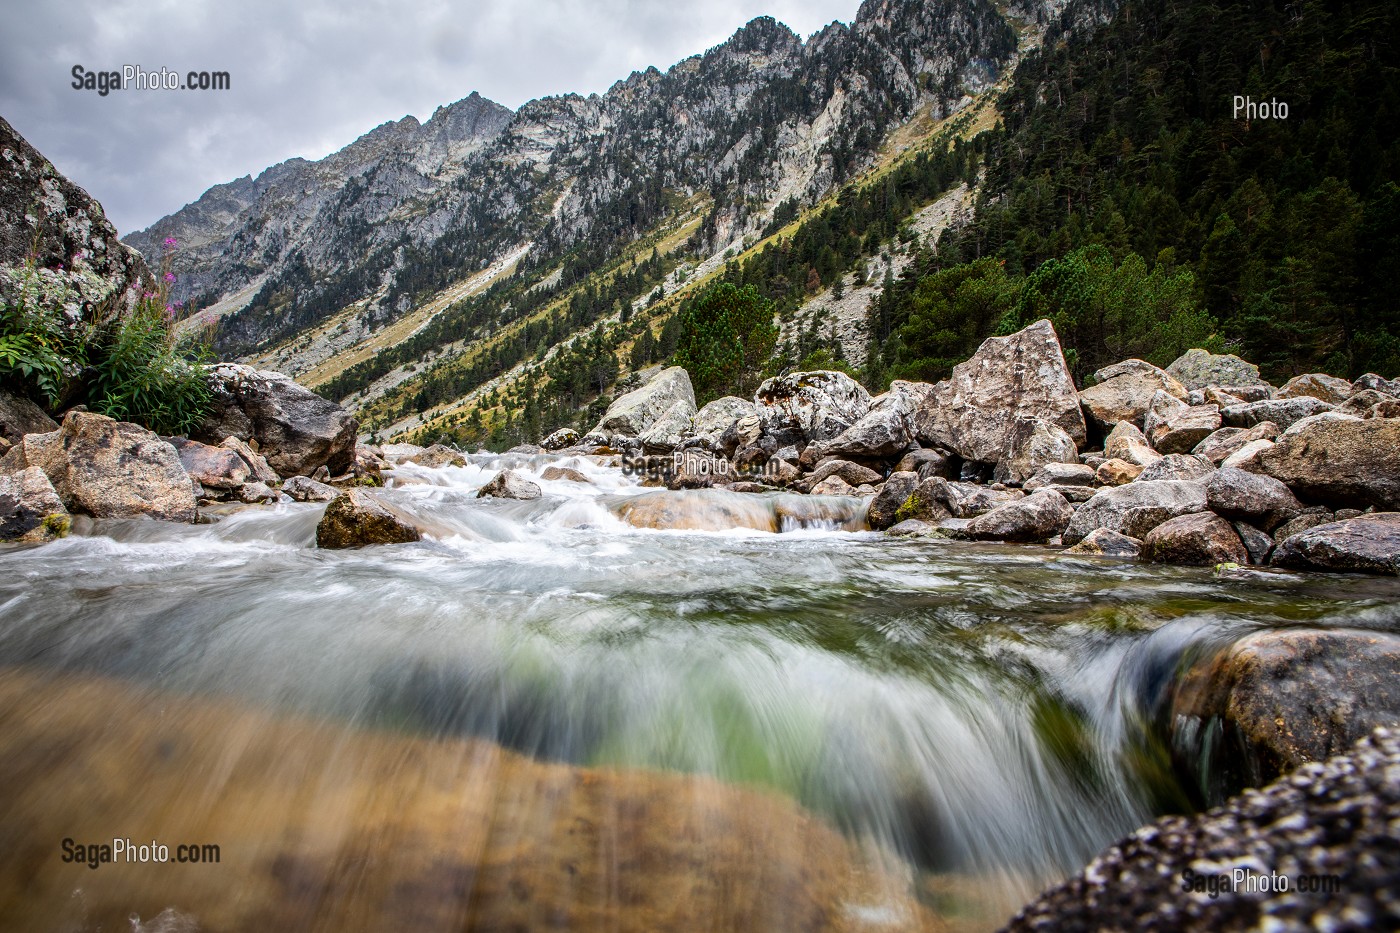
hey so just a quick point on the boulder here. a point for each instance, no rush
(1201, 539)
(1256, 542)
(1124, 391)
(779, 472)
(398, 453)
(19, 416)
(1339, 462)
(1031, 444)
(1310, 517)
(256, 493)
(1038, 517)
(566, 474)
(929, 502)
(356, 518)
(1117, 472)
(815, 406)
(914, 528)
(897, 489)
(508, 484)
(667, 394)
(1246, 456)
(1363, 403)
(1375, 383)
(306, 489)
(669, 430)
(1368, 543)
(1175, 874)
(716, 418)
(1214, 395)
(1282, 412)
(1060, 474)
(974, 412)
(1226, 441)
(1109, 505)
(437, 456)
(257, 465)
(558, 440)
(1126, 442)
(852, 473)
(1104, 543)
(1249, 497)
(833, 486)
(1196, 369)
(30, 510)
(1173, 427)
(1177, 466)
(1320, 386)
(296, 430)
(211, 467)
(108, 469)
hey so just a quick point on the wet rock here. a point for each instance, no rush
(1310, 517)
(1108, 506)
(437, 456)
(1038, 517)
(108, 469)
(1126, 442)
(356, 518)
(930, 501)
(698, 510)
(1177, 466)
(306, 489)
(1282, 412)
(19, 416)
(1320, 386)
(1175, 874)
(564, 473)
(212, 467)
(1256, 542)
(1249, 497)
(1196, 369)
(1117, 472)
(817, 406)
(974, 412)
(1060, 474)
(1124, 391)
(1031, 444)
(1339, 462)
(508, 484)
(914, 528)
(833, 486)
(1226, 441)
(1173, 427)
(1104, 543)
(30, 510)
(897, 489)
(1368, 543)
(295, 429)
(558, 440)
(256, 493)
(1201, 539)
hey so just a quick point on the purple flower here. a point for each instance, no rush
(149, 295)
(178, 304)
(170, 276)
(170, 243)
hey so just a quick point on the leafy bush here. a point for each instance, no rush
(36, 351)
(150, 375)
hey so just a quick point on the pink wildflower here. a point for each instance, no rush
(170, 243)
(170, 276)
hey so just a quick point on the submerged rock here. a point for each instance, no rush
(356, 518)
(509, 484)
(1366, 544)
(1176, 873)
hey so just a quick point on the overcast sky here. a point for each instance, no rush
(307, 77)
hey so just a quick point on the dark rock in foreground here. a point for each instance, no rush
(1367, 543)
(1334, 820)
(356, 518)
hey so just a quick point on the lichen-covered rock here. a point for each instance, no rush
(297, 430)
(815, 406)
(631, 415)
(1031, 444)
(1261, 500)
(973, 412)
(438, 456)
(1117, 472)
(1038, 517)
(1339, 461)
(1104, 543)
(211, 467)
(19, 416)
(306, 489)
(1201, 539)
(1173, 427)
(1126, 442)
(1226, 441)
(1108, 506)
(558, 440)
(897, 489)
(1197, 369)
(509, 484)
(356, 518)
(1320, 386)
(1282, 412)
(1176, 873)
(1124, 391)
(30, 509)
(1368, 543)
(930, 501)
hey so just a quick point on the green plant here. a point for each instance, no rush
(36, 350)
(149, 374)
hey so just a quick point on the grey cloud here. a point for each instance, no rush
(309, 77)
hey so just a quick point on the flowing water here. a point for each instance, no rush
(612, 707)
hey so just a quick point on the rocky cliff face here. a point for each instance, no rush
(757, 121)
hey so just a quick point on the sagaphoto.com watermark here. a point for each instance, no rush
(134, 77)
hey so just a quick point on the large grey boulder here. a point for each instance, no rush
(1197, 369)
(974, 412)
(211, 467)
(1372, 382)
(297, 431)
(1177, 466)
(631, 415)
(1320, 386)
(1339, 461)
(1226, 441)
(108, 469)
(1104, 543)
(1200, 539)
(715, 418)
(1108, 507)
(1123, 392)
(19, 416)
(815, 406)
(1173, 427)
(853, 473)
(508, 484)
(887, 429)
(1125, 442)
(357, 517)
(1282, 412)
(898, 488)
(1249, 497)
(1367, 544)
(1060, 474)
(1031, 444)
(30, 509)
(1038, 517)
